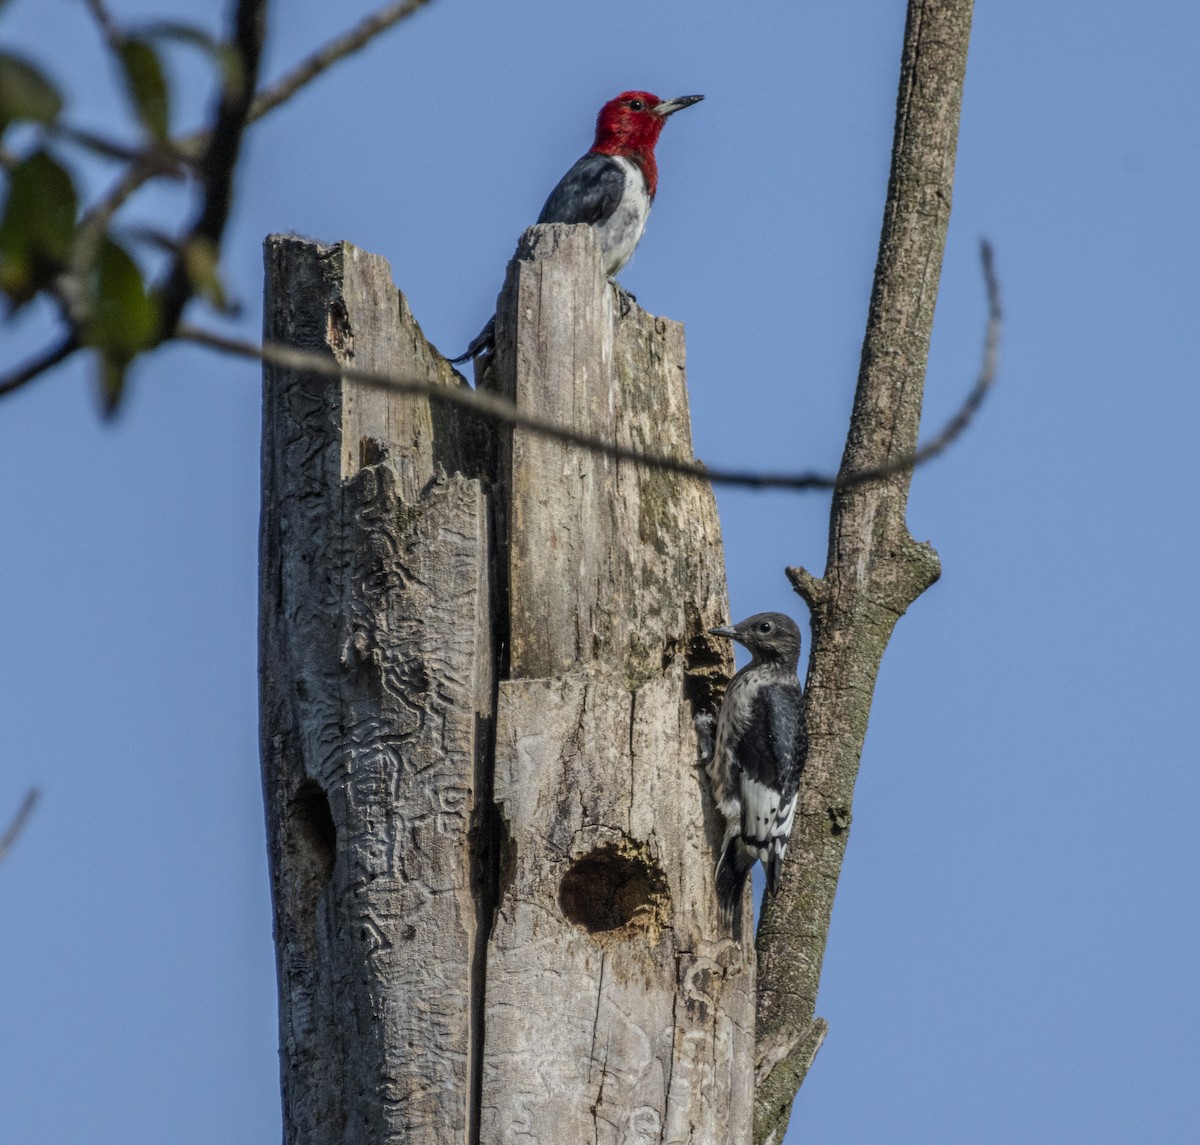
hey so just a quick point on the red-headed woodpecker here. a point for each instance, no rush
(755, 765)
(612, 186)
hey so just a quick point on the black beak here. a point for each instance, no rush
(724, 630)
(671, 106)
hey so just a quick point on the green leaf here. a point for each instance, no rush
(110, 380)
(191, 34)
(147, 85)
(123, 319)
(201, 258)
(25, 93)
(122, 316)
(37, 227)
(223, 55)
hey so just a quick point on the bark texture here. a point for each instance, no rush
(492, 849)
(375, 691)
(617, 1010)
(874, 569)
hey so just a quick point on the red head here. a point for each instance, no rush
(631, 124)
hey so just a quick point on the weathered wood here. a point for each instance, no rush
(376, 688)
(617, 1009)
(492, 847)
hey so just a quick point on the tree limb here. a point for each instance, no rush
(106, 24)
(970, 406)
(38, 365)
(324, 58)
(217, 167)
(874, 569)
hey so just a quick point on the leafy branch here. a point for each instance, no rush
(51, 248)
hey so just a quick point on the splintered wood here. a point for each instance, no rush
(492, 849)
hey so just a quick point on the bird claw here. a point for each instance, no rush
(625, 299)
(705, 724)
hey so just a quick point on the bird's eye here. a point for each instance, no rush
(765, 626)
(636, 105)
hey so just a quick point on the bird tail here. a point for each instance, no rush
(484, 340)
(732, 869)
(774, 866)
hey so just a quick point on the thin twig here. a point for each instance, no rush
(159, 156)
(324, 58)
(151, 163)
(108, 28)
(966, 412)
(19, 820)
(502, 410)
(44, 361)
(216, 169)
(164, 159)
(493, 408)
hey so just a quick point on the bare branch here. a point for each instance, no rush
(104, 21)
(497, 409)
(150, 164)
(19, 820)
(784, 1043)
(501, 410)
(108, 148)
(324, 58)
(216, 169)
(987, 372)
(778, 1074)
(44, 361)
(158, 155)
(970, 407)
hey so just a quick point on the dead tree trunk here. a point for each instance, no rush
(491, 849)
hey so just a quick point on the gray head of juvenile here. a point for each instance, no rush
(771, 637)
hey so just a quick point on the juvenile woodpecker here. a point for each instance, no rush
(611, 187)
(755, 763)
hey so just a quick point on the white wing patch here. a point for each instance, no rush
(766, 822)
(760, 809)
(783, 825)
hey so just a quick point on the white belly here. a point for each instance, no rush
(621, 232)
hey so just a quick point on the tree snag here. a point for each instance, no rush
(492, 848)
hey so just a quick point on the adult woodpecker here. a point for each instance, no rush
(611, 187)
(754, 765)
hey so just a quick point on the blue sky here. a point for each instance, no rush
(1013, 946)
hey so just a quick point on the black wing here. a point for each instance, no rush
(771, 756)
(588, 193)
(772, 748)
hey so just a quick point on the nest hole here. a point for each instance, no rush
(315, 830)
(612, 887)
